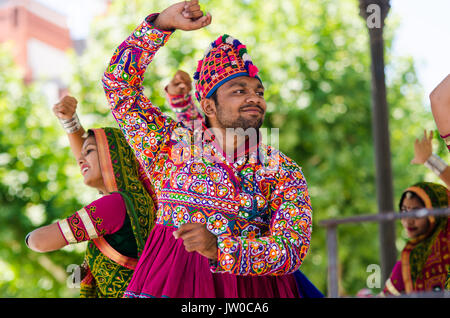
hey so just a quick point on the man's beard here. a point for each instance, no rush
(240, 122)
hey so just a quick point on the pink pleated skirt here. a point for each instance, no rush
(165, 269)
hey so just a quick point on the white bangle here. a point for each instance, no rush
(435, 164)
(71, 125)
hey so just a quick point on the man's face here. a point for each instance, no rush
(241, 103)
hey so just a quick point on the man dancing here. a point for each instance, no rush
(227, 226)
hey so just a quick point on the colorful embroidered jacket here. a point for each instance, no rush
(257, 205)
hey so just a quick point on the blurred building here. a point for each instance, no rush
(40, 38)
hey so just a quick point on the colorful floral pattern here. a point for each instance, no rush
(217, 224)
(263, 190)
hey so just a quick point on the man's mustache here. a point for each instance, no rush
(252, 106)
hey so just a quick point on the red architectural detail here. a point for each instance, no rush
(22, 20)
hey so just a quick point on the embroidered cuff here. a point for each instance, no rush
(66, 231)
(227, 248)
(78, 228)
(179, 103)
(146, 36)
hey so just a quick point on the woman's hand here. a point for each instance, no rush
(423, 149)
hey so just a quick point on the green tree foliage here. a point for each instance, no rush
(37, 186)
(314, 60)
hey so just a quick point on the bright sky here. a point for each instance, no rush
(423, 33)
(79, 13)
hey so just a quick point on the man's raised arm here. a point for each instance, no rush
(142, 123)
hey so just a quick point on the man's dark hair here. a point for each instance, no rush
(214, 98)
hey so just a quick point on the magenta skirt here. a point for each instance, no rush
(165, 269)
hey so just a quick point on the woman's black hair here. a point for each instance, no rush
(411, 195)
